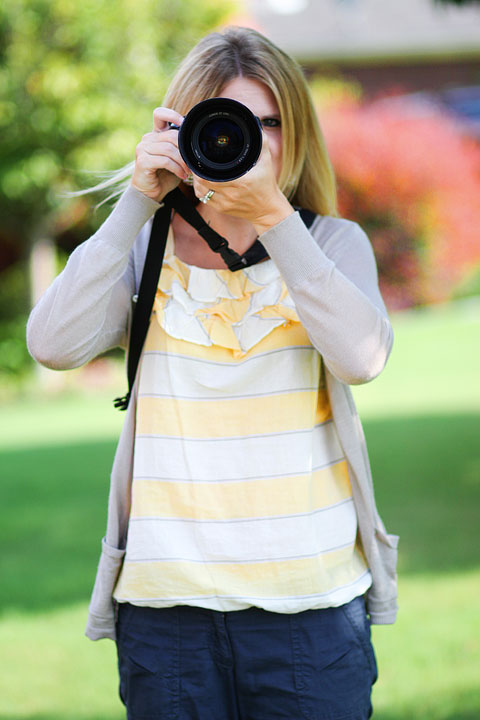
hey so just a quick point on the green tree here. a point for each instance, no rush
(78, 83)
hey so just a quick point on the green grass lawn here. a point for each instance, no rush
(422, 421)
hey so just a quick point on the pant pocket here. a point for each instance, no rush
(148, 661)
(356, 615)
(334, 672)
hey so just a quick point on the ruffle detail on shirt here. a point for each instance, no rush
(234, 310)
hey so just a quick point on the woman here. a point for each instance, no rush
(242, 535)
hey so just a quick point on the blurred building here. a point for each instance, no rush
(409, 45)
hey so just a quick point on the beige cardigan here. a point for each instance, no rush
(331, 274)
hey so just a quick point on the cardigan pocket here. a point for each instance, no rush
(382, 596)
(387, 539)
(101, 622)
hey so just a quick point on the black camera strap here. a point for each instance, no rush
(153, 264)
(145, 297)
(179, 202)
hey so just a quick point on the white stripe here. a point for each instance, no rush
(254, 478)
(246, 541)
(180, 376)
(236, 458)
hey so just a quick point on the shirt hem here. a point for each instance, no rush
(335, 598)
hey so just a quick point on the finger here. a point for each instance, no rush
(166, 160)
(155, 144)
(198, 187)
(157, 136)
(162, 116)
(174, 168)
(203, 187)
(158, 143)
(151, 163)
(265, 152)
(207, 196)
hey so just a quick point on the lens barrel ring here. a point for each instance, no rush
(220, 139)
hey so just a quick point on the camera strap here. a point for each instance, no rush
(153, 264)
(179, 202)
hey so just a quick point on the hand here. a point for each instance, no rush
(255, 196)
(159, 166)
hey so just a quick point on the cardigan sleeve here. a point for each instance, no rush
(331, 275)
(86, 309)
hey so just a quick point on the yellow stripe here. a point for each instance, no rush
(207, 419)
(250, 499)
(292, 334)
(278, 579)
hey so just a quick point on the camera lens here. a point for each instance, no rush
(220, 139)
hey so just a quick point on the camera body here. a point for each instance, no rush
(220, 139)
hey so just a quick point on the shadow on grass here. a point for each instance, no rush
(54, 500)
(427, 483)
(52, 517)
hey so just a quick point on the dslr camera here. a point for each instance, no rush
(220, 139)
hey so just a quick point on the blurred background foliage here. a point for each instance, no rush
(410, 175)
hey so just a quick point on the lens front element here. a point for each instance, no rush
(221, 141)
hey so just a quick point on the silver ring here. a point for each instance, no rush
(207, 196)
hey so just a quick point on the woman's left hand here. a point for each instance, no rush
(255, 196)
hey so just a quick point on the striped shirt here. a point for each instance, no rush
(240, 492)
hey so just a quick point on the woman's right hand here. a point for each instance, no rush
(159, 167)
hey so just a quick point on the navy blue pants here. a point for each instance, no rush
(189, 663)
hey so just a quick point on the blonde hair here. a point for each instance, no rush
(307, 178)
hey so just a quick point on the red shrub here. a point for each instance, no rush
(412, 181)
